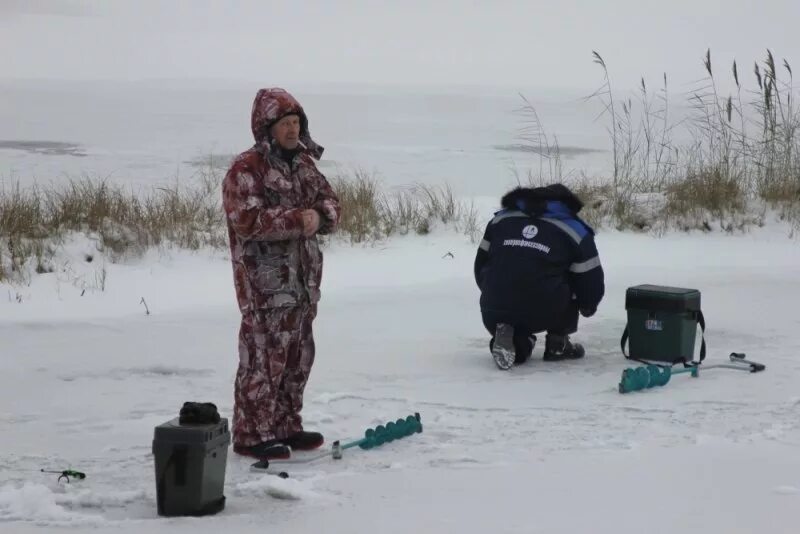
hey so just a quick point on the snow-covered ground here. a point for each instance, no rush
(86, 375)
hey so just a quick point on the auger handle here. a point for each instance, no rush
(739, 357)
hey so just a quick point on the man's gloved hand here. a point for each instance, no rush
(588, 312)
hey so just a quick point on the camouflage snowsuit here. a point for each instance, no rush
(277, 272)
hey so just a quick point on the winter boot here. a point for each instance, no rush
(304, 441)
(559, 347)
(272, 449)
(523, 348)
(503, 350)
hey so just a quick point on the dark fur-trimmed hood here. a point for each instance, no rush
(534, 199)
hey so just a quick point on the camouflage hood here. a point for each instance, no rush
(271, 105)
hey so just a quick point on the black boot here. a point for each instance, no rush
(523, 347)
(272, 449)
(304, 441)
(559, 347)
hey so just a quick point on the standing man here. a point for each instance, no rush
(276, 201)
(537, 267)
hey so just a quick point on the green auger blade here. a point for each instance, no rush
(659, 376)
(650, 376)
(374, 437)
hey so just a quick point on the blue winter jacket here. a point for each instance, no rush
(537, 256)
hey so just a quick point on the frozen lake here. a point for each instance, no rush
(146, 133)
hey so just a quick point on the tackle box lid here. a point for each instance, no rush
(662, 298)
(174, 432)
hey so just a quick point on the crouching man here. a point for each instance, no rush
(537, 268)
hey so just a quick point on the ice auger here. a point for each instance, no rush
(373, 437)
(649, 376)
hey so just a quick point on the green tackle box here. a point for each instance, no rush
(662, 323)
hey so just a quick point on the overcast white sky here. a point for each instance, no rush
(493, 42)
